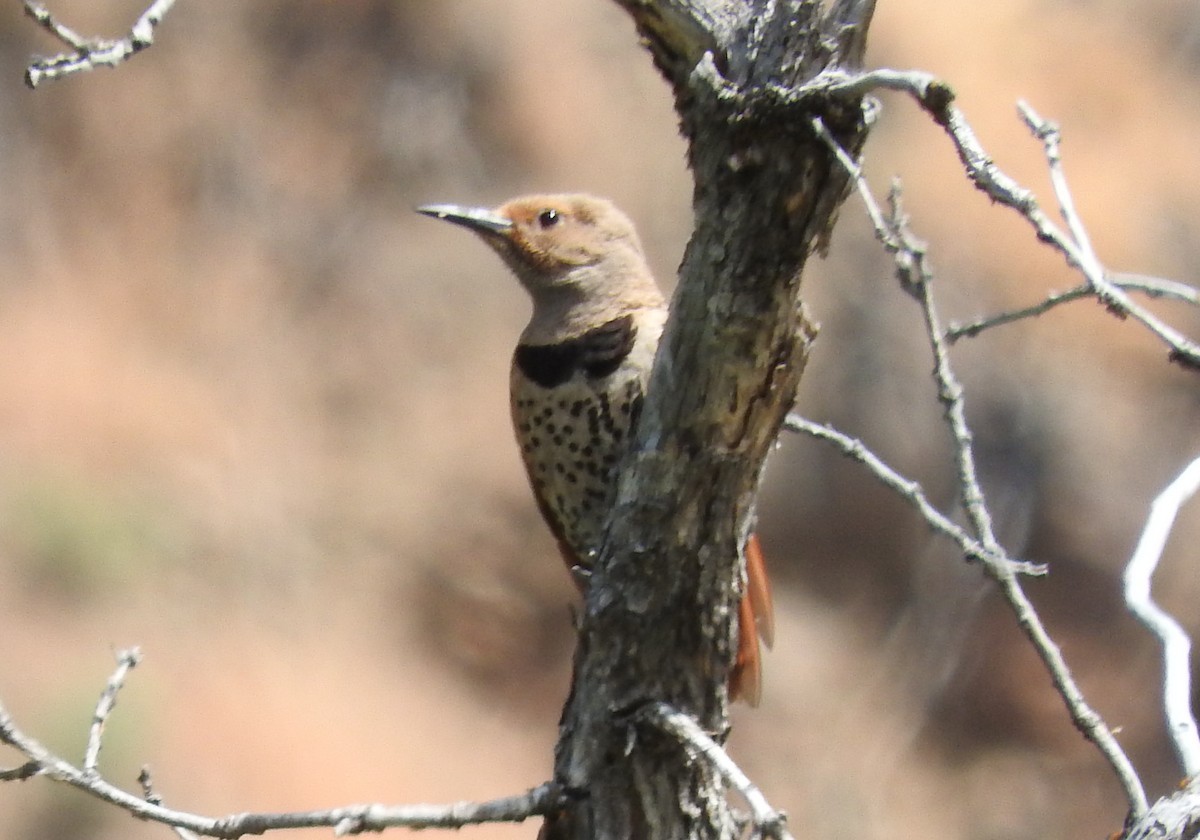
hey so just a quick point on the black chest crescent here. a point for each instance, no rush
(597, 353)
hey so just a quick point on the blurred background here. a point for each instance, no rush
(253, 414)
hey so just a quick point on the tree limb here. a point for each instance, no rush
(350, 819)
(1150, 286)
(87, 54)
(766, 193)
(937, 98)
(910, 490)
(1176, 645)
(916, 276)
(768, 822)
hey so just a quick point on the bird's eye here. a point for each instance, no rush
(548, 218)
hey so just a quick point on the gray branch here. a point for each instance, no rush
(1150, 286)
(351, 819)
(1176, 645)
(724, 377)
(915, 275)
(768, 822)
(126, 661)
(87, 54)
(1077, 247)
(911, 491)
(936, 97)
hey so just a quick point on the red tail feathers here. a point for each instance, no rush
(756, 619)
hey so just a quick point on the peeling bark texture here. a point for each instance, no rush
(1175, 817)
(658, 620)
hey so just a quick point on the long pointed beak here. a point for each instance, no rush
(477, 219)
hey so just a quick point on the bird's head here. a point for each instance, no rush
(568, 251)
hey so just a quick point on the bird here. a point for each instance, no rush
(579, 375)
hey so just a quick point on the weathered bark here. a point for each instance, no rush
(657, 621)
(1175, 817)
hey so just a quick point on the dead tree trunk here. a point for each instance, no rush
(657, 624)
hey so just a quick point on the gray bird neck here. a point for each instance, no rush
(559, 317)
(565, 311)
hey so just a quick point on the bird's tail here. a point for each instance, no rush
(756, 620)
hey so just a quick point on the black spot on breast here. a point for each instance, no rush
(598, 352)
(635, 412)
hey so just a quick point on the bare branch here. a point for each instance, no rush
(1155, 287)
(1177, 675)
(1171, 818)
(768, 822)
(916, 276)
(724, 377)
(89, 53)
(910, 490)
(126, 660)
(59, 30)
(1151, 286)
(1079, 252)
(151, 796)
(20, 773)
(351, 819)
(937, 98)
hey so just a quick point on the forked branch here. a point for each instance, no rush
(916, 275)
(84, 54)
(351, 819)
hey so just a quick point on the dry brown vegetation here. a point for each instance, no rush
(253, 413)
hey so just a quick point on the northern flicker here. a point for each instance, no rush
(580, 370)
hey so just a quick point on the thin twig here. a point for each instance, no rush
(126, 660)
(1079, 251)
(20, 773)
(1176, 645)
(768, 822)
(59, 30)
(1155, 287)
(936, 97)
(910, 490)
(1151, 286)
(915, 275)
(351, 819)
(151, 796)
(89, 53)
